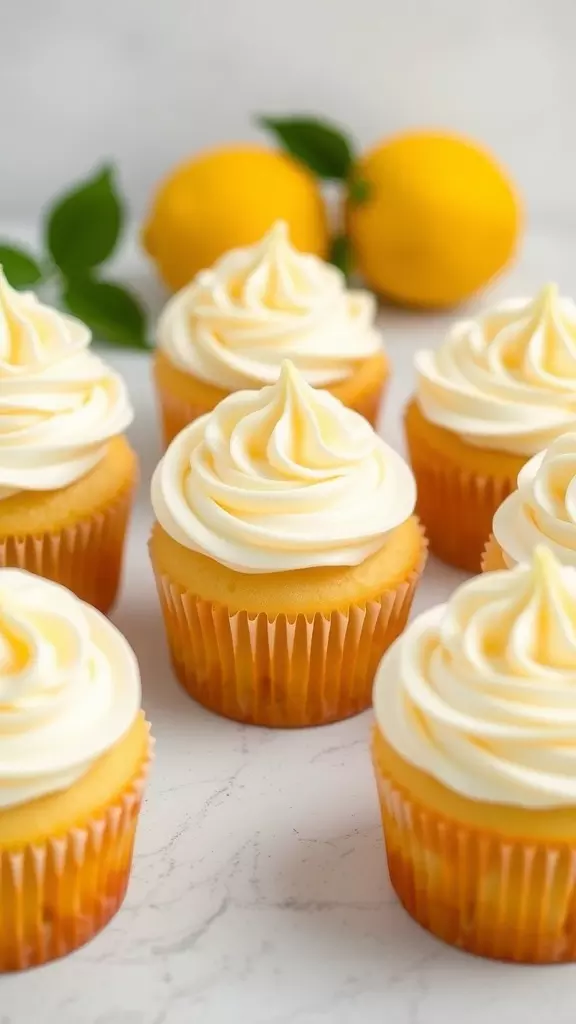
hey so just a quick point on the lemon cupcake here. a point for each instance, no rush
(232, 326)
(541, 511)
(286, 554)
(74, 754)
(67, 473)
(474, 752)
(499, 390)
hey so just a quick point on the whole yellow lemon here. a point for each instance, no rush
(435, 218)
(227, 198)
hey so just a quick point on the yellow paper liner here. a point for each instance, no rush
(85, 557)
(492, 557)
(503, 898)
(281, 671)
(176, 413)
(455, 507)
(58, 894)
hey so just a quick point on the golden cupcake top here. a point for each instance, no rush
(506, 380)
(69, 687)
(235, 323)
(59, 403)
(480, 693)
(282, 478)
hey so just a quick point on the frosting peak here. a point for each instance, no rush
(234, 324)
(272, 275)
(69, 687)
(506, 381)
(480, 693)
(282, 478)
(543, 509)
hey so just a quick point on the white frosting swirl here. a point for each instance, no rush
(69, 687)
(506, 381)
(234, 324)
(282, 478)
(59, 403)
(480, 693)
(33, 335)
(543, 509)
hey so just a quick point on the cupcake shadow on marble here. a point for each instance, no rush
(286, 555)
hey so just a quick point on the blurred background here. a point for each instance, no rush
(147, 82)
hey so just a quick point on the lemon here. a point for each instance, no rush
(435, 218)
(226, 198)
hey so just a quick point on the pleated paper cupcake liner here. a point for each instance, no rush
(506, 899)
(281, 671)
(57, 894)
(456, 508)
(176, 413)
(85, 557)
(492, 557)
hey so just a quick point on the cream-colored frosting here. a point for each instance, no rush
(506, 381)
(33, 335)
(69, 687)
(543, 509)
(234, 324)
(59, 403)
(480, 693)
(282, 478)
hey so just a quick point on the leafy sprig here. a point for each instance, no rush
(81, 231)
(329, 153)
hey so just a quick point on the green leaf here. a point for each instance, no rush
(322, 147)
(359, 190)
(20, 268)
(112, 312)
(83, 226)
(341, 254)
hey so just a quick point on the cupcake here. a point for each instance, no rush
(541, 511)
(67, 473)
(474, 752)
(285, 552)
(74, 754)
(499, 390)
(232, 326)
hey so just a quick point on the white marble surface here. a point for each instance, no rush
(259, 892)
